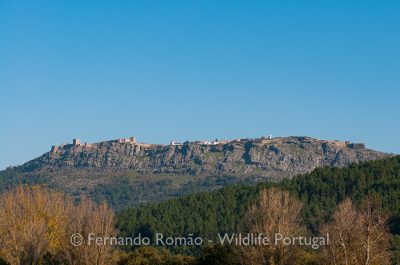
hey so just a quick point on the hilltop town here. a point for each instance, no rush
(263, 157)
(152, 172)
(261, 140)
(132, 140)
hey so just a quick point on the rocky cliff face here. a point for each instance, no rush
(129, 174)
(268, 158)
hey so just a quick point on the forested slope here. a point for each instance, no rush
(208, 213)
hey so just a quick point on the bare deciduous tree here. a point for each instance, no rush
(275, 212)
(35, 221)
(358, 236)
(98, 220)
(32, 222)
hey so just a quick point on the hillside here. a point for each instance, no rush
(129, 173)
(208, 213)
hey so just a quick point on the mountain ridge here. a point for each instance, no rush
(127, 173)
(267, 157)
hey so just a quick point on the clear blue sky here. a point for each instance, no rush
(163, 70)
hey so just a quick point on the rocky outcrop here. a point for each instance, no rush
(269, 158)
